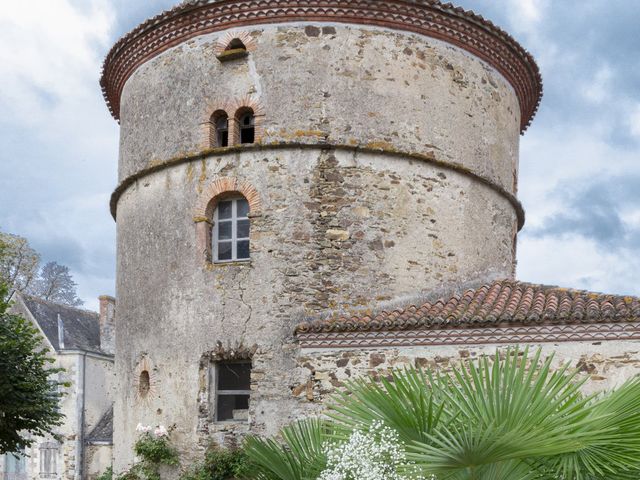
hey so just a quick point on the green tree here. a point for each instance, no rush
(19, 263)
(509, 417)
(29, 389)
(54, 284)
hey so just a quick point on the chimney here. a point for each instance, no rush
(107, 324)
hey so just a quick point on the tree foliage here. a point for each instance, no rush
(29, 389)
(54, 283)
(19, 262)
(20, 269)
(509, 417)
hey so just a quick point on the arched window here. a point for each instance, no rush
(236, 44)
(144, 383)
(246, 124)
(219, 129)
(231, 230)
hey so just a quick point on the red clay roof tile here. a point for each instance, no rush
(501, 302)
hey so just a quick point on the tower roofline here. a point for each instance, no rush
(430, 18)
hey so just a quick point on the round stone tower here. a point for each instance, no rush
(282, 160)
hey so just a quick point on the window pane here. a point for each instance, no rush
(232, 407)
(243, 208)
(247, 135)
(234, 376)
(224, 251)
(224, 210)
(223, 138)
(243, 249)
(243, 229)
(224, 230)
(224, 410)
(222, 123)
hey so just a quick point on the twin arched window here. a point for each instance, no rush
(231, 230)
(238, 130)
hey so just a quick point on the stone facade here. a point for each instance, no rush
(384, 172)
(367, 194)
(72, 338)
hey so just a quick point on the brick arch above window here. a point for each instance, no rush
(223, 187)
(224, 42)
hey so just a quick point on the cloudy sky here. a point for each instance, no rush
(579, 165)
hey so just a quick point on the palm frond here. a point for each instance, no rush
(299, 457)
(405, 403)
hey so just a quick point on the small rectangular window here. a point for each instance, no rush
(233, 388)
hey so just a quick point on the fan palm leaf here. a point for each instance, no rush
(299, 457)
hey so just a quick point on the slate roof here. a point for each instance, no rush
(103, 431)
(81, 327)
(501, 303)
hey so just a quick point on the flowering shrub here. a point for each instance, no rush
(374, 455)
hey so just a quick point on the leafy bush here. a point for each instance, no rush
(510, 417)
(154, 450)
(106, 475)
(220, 464)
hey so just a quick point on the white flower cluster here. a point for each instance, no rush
(159, 431)
(372, 455)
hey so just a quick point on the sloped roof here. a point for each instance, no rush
(81, 327)
(103, 431)
(501, 303)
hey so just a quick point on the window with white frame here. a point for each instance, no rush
(231, 230)
(15, 466)
(233, 389)
(49, 459)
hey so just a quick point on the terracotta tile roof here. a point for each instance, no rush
(501, 303)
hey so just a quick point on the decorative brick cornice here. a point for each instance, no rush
(475, 336)
(431, 18)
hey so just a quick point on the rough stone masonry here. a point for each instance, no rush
(383, 173)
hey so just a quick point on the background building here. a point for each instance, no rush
(82, 343)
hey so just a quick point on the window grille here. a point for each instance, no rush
(233, 389)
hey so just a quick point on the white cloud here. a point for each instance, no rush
(48, 54)
(525, 15)
(599, 89)
(634, 121)
(577, 262)
(58, 163)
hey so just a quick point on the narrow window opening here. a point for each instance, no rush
(233, 389)
(247, 128)
(231, 230)
(220, 129)
(144, 384)
(236, 44)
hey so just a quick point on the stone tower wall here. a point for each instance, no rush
(385, 171)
